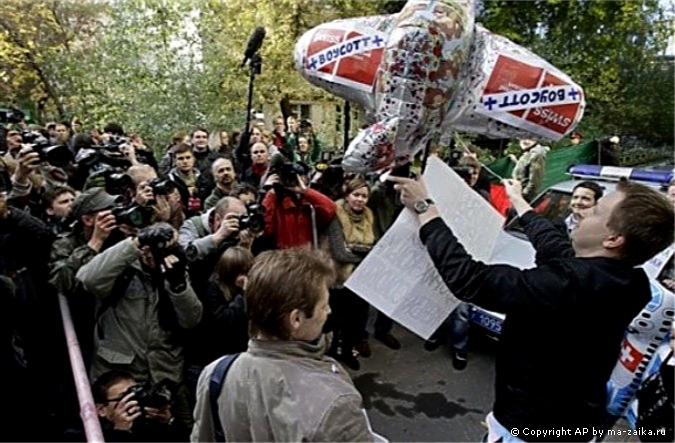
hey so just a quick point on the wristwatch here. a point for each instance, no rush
(422, 206)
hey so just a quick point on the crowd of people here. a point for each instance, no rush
(242, 247)
(153, 256)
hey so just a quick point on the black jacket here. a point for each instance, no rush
(222, 330)
(565, 320)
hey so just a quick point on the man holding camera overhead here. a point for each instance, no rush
(294, 213)
(145, 302)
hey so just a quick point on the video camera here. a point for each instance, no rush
(55, 155)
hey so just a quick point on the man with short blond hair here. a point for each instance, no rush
(284, 388)
(573, 308)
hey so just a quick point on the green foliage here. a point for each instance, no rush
(614, 49)
(159, 66)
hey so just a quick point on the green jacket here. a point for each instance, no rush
(212, 200)
(69, 253)
(128, 334)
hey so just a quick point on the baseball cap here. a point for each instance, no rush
(93, 200)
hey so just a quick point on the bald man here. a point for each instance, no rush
(224, 176)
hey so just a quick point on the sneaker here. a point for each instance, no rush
(459, 360)
(389, 340)
(363, 348)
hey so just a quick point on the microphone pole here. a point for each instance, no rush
(255, 68)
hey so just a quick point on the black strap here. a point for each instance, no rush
(215, 386)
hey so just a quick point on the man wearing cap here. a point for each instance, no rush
(530, 166)
(92, 224)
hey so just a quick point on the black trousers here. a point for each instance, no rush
(348, 318)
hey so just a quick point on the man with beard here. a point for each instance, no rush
(223, 173)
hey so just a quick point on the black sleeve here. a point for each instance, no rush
(226, 315)
(500, 288)
(548, 240)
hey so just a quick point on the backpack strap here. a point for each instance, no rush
(215, 387)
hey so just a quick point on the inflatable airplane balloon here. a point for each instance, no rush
(431, 69)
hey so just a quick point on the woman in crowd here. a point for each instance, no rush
(351, 236)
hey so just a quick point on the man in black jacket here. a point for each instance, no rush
(565, 318)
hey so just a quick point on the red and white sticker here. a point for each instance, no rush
(346, 57)
(531, 97)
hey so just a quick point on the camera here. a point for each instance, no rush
(12, 116)
(117, 183)
(254, 221)
(150, 396)
(136, 216)
(162, 186)
(55, 155)
(288, 174)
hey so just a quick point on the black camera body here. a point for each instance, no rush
(150, 396)
(117, 183)
(55, 155)
(12, 116)
(288, 174)
(136, 216)
(162, 186)
(254, 221)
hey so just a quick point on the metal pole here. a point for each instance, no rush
(347, 125)
(92, 426)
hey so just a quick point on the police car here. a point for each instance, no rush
(554, 205)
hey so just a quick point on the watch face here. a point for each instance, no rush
(421, 206)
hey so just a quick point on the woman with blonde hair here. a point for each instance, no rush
(351, 235)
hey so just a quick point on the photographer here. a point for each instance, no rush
(294, 213)
(206, 236)
(145, 304)
(160, 194)
(124, 418)
(57, 205)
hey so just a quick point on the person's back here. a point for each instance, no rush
(290, 391)
(283, 388)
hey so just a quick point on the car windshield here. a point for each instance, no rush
(552, 204)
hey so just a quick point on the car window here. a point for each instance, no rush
(667, 273)
(552, 204)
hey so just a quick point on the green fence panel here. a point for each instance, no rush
(557, 163)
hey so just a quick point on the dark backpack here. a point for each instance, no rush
(215, 387)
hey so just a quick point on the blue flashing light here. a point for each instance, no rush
(615, 173)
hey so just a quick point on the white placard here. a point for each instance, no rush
(398, 276)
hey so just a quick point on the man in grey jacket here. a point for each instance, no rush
(284, 388)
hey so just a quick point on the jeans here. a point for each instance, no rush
(458, 327)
